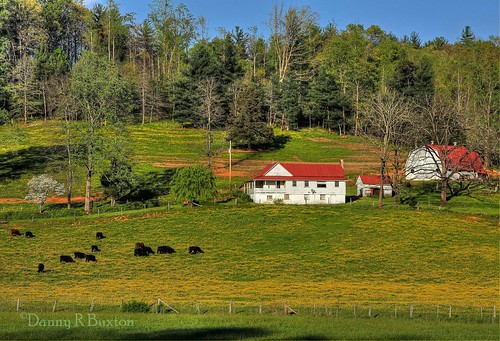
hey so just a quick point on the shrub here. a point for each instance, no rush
(136, 307)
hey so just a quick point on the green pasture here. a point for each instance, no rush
(301, 254)
(27, 151)
(84, 325)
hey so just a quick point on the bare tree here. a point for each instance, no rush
(210, 111)
(389, 114)
(288, 30)
(442, 122)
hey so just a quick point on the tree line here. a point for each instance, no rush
(102, 68)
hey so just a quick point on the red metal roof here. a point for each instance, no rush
(460, 158)
(304, 171)
(374, 180)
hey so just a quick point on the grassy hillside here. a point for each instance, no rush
(303, 255)
(27, 151)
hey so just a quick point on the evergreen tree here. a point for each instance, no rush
(467, 36)
(247, 126)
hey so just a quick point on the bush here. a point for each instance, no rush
(135, 307)
(241, 196)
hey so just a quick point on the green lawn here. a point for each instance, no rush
(85, 325)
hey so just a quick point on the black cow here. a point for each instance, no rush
(165, 249)
(79, 255)
(99, 235)
(194, 250)
(41, 267)
(148, 250)
(90, 258)
(138, 245)
(94, 248)
(29, 234)
(141, 252)
(66, 259)
(14, 232)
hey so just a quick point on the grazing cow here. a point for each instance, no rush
(79, 255)
(138, 245)
(148, 250)
(90, 258)
(165, 249)
(194, 250)
(14, 232)
(99, 235)
(28, 234)
(141, 252)
(66, 259)
(94, 248)
(41, 267)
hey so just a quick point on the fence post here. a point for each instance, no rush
(411, 310)
(54, 306)
(260, 308)
(18, 304)
(449, 312)
(337, 312)
(286, 308)
(370, 311)
(481, 312)
(198, 307)
(395, 311)
(354, 310)
(494, 312)
(230, 307)
(326, 310)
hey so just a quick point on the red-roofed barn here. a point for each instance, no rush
(424, 163)
(298, 183)
(370, 185)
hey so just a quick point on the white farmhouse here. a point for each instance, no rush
(424, 163)
(368, 185)
(298, 183)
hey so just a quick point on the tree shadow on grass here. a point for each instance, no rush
(17, 163)
(223, 333)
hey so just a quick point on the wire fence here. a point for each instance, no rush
(466, 314)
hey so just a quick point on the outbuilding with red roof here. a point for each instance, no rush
(298, 183)
(368, 185)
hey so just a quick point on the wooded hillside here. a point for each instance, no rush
(100, 67)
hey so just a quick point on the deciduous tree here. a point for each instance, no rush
(40, 187)
(194, 183)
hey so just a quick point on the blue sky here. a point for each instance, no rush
(429, 18)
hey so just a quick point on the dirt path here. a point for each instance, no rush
(51, 200)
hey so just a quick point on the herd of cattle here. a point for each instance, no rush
(140, 249)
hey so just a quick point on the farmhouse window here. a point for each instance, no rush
(306, 183)
(287, 197)
(269, 198)
(337, 183)
(322, 197)
(294, 183)
(280, 184)
(259, 184)
(321, 184)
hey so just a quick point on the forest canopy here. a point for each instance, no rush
(301, 75)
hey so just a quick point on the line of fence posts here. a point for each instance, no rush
(287, 310)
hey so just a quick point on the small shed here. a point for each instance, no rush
(370, 185)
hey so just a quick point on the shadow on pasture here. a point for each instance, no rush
(16, 163)
(223, 333)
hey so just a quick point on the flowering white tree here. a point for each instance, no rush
(41, 187)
